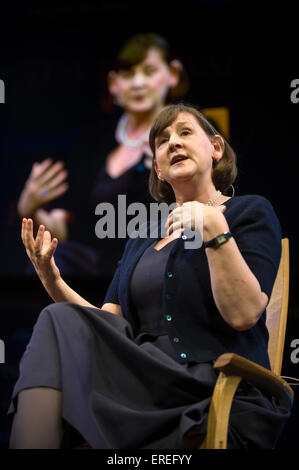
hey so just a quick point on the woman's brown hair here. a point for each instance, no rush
(224, 171)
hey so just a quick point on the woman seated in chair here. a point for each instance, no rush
(138, 372)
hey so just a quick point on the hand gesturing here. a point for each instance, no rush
(46, 182)
(40, 250)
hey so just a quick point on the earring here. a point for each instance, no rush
(161, 179)
(233, 189)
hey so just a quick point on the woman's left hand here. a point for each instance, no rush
(195, 216)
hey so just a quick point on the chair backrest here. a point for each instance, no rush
(277, 310)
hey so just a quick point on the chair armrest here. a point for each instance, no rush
(267, 381)
(233, 369)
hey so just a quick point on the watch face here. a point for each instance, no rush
(221, 239)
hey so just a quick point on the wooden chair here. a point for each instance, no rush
(234, 368)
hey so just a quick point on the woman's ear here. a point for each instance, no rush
(219, 146)
(175, 68)
(112, 82)
(156, 169)
(158, 172)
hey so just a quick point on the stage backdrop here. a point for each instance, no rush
(54, 61)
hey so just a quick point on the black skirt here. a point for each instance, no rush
(126, 392)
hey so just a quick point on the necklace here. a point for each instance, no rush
(211, 202)
(122, 137)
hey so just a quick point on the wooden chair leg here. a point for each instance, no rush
(219, 411)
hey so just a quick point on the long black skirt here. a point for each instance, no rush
(126, 392)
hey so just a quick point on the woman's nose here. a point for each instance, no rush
(138, 80)
(174, 142)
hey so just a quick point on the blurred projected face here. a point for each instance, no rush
(144, 87)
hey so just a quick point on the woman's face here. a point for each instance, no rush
(144, 86)
(184, 151)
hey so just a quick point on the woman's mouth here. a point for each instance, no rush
(177, 159)
(140, 97)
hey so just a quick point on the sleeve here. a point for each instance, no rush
(258, 236)
(113, 290)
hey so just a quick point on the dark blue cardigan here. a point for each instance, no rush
(189, 310)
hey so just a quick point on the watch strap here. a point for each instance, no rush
(219, 240)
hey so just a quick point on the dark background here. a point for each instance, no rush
(53, 60)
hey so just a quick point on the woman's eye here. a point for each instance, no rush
(126, 74)
(186, 132)
(149, 71)
(162, 141)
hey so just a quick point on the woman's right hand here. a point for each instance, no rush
(41, 251)
(45, 183)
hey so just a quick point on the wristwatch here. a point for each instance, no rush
(219, 240)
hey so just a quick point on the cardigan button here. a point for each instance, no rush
(184, 237)
(183, 355)
(168, 317)
(176, 339)
(169, 274)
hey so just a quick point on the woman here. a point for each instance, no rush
(145, 75)
(141, 366)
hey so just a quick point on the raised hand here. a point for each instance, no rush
(46, 182)
(194, 215)
(41, 251)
